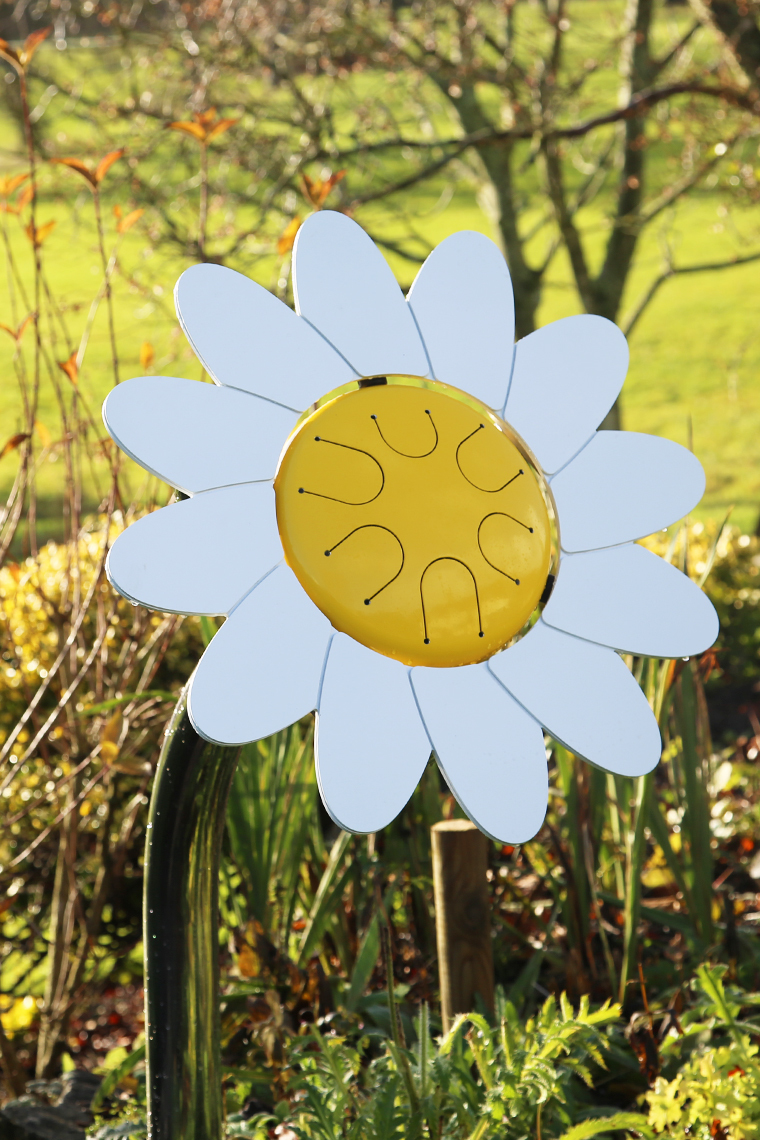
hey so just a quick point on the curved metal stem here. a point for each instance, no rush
(181, 933)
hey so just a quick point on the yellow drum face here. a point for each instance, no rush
(414, 520)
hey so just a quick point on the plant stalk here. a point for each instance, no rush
(203, 210)
(32, 405)
(107, 282)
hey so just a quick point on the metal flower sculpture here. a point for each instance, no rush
(412, 526)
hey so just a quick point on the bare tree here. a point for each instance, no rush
(530, 116)
(736, 25)
(580, 135)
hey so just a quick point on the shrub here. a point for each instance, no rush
(716, 1092)
(510, 1080)
(712, 1091)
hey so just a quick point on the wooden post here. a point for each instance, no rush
(463, 928)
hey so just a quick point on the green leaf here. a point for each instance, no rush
(208, 628)
(106, 706)
(329, 891)
(112, 1079)
(480, 1131)
(713, 550)
(680, 922)
(365, 963)
(605, 1124)
(272, 800)
(253, 1076)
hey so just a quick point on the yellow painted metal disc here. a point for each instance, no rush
(415, 520)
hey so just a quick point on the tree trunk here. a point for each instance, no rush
(497, 161)
(626, 228)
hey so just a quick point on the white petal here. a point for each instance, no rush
(199, 556)
(263, 669)
(463, 303)
(345, 288)
(490, 751)
(566, 378)
(371, 747)
(623, 486)
(628, 598)
(246, 338)
(196, 436)
(585, 696)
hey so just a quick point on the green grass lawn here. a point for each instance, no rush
(695, 354)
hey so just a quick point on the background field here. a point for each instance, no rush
(694, 354)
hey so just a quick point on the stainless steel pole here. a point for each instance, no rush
(181, 933)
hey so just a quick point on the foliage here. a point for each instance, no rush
(735, 591)
(305, 942)
(272, 810)
(83, 693)
(506, 1080)
(711, 1087)
(300, 901)
(544, 1077)
(717, 1084)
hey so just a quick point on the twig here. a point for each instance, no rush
(62, 815)
(107, 276)
(637, 106)
(76, 626)
(677, 270)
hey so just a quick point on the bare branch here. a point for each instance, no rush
(678, 189)
(635, 107)
(708, 266)
(646, 298)
(659, 65)
(677, 270)
(413, 179)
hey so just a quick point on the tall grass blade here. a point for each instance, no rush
(695, 825)
(271, 805)
(713, 550)
(365, 963)
(635, 859)
(603, 1125)
(329, 892)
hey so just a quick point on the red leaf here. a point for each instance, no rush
(106, 163)
(78, 165)
(194, 129)
(14, 442)
(127, 223)
(38, 235)
(219, 128)
(32, 42)
(70, 368)
(288, 236)
(8, 185)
